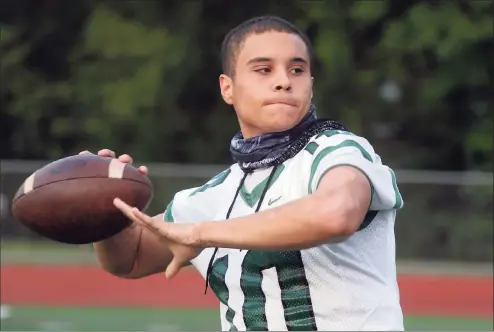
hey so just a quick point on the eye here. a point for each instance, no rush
(297, 70)
(264, 70)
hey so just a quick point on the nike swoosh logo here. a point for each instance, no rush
(272, 201)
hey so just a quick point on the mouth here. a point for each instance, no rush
(288, 102)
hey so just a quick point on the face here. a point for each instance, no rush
(271, 90)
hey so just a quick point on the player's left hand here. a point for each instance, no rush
(182, 239)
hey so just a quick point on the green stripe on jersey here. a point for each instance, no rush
(253, 197)
(398, 198)
(168, 216)
(326, 151)
(218, 285)
(253, 308)
(295, 294)
(329, 133)
(312, 147)
(215, 181)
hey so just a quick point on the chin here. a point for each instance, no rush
(283, 120)
(280, 125)
(275, 119)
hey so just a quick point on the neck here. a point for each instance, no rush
(250, 132)
(255, 149)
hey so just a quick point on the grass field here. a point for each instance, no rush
(84, 298)
(57, 289)
(152, 319)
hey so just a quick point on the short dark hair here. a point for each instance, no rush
(260, 24)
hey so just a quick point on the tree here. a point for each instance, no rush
(142, 77)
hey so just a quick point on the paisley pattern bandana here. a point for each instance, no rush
(274, 148)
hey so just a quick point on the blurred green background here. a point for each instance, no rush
(141, 77)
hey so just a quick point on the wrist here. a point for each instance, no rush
(200, 230)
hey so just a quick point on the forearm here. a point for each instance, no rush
(300, 224)
(118, 253)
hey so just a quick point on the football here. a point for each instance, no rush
(71, 200)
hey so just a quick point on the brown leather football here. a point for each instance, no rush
(71, 200)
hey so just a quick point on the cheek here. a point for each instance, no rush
(305, 89)
(242, 107)
(247, 99)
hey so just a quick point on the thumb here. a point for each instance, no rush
(173, 268)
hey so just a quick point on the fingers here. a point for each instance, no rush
(126, 210)
(143, 170)
(106, 153)
(102, 153)
(153, 224)
(125, 158)
(173, 268)
(137, 216)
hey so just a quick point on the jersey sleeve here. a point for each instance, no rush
(336, 148)
(196, 204)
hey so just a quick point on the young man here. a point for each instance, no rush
(298, 234)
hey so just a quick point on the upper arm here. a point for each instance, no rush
(348, 193)
(349, 163)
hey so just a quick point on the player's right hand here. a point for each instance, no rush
(125, 158)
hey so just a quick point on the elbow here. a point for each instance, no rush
(120, 271)
(339, 230)
(134, 273)
(338, 222)
(124, 275)
(130, 276)
(116, 272)
(345, 226)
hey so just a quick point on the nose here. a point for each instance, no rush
(282, 82)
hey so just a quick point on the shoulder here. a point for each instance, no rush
(213, 184)
(199, 203)
(336, 142)
(334, 148)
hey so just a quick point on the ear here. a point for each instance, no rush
(312, 88)
(226, 88)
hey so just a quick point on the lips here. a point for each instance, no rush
(288, 102)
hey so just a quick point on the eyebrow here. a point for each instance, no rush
(264, 59)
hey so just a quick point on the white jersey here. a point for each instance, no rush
(350, 285)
